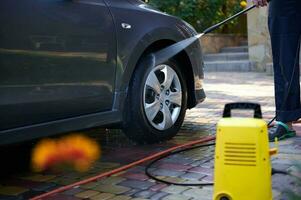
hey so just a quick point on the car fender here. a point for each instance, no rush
(126, 67)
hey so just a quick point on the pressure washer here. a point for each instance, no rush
(242, 156)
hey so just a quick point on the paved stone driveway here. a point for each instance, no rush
(191, 166)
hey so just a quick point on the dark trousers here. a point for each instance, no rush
(285, 31)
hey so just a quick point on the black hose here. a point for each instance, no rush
(277, 171)
(148, 166)
(271, 121)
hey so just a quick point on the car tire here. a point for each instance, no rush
(144, 121)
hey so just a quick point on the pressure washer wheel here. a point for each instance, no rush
(156, 102)
(224, 198)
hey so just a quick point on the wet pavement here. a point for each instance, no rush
(18, 182)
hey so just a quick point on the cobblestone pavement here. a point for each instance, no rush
(191, 166)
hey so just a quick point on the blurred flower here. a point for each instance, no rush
(77, 151)
(243, 4)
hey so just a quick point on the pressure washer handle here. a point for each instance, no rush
(243, 106)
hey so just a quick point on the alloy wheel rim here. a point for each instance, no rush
(162, 97)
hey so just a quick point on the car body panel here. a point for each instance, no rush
(57, 60)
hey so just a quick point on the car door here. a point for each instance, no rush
(57, 60)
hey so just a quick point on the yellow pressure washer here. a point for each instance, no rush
(242, 156)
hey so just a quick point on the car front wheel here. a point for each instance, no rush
(156, 102)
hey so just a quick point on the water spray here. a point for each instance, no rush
(164, 54)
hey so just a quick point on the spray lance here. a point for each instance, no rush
(161, 56)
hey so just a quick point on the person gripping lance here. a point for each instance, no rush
(284, 22)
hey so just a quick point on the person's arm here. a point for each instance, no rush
(260, 3)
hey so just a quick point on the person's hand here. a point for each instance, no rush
(260, 3)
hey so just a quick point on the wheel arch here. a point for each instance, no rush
(185, 64)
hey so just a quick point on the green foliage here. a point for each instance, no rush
(200, 13)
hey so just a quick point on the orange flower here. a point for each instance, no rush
(77, 151)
